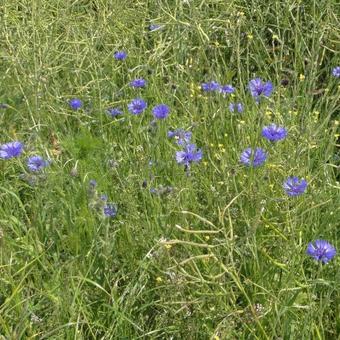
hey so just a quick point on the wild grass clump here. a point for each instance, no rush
(169, 170)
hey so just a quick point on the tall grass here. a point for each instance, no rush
(220, 254)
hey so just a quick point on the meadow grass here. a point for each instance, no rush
(219, 254)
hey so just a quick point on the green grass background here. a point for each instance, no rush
(223, 255)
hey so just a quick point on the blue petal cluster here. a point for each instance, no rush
(183, 137)
(259, 88)
(138, 83)
(110, 210)
(189, 154)
(255, 158)
(294, 186)
(154, 27)
(236, 107)
(274, 132)
(137, 106)
(161, 111)
(226, 89)
(75, 103)
(210, 86)
(36, 163)
(92, 183)
(11, 149)
(336, 72)
(321, 250)
(114, 111)
(120, 55)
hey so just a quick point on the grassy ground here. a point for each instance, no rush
(223, 254)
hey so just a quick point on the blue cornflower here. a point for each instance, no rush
(183, 137)
(114, 111)
(336, 72)
(227, 89)
(139, 82)
(11, 149)
(75, 103)
(161, 111)
(162, 190)
(274, 132)
(294, 186)
(36, 163)
(137, 106)
(321, 250)
(236, 106)
(110, 210)
(120, 55)
(249, 157)
(104, 197)
(257, 88)
(210, 86)
(189, 154)
(154, 27)
(93, 183)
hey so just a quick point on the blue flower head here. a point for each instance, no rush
(336, 72)
(120, 55)
(236, 107)
(93, 183)
(138, 83)
(321, 250)
(75, 103)
(226, 89)
(104, 197)
(110, 210)
(189, 154)
(137, 106)
(154, 27)
(161, 111)
(255, 158)
(294, 186)
(274, 132)
(36, 163)
(183, 137)
(210, 86)
(11, 149)
(114, 111)
(259, 88)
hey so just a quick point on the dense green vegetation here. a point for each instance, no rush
(218, 254)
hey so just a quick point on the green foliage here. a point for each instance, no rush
(222, 254)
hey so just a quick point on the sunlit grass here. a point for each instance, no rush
(217, 252)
